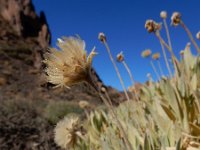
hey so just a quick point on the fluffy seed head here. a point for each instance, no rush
(102, 37)
(70, 64)
(163, 14)
(68, 131)
(152, 26)
(156, 56)
(146, 53)
(120, 57)
(176, 19)
(198, 35)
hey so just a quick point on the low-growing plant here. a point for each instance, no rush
(165, 115)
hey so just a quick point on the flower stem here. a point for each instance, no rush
(168, 35)
(190, 36)
(162, 43)
(116, 69)
(154, 69)
(160, 68)
(132, 79)
(107, 101)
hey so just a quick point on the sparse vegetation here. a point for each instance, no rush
(22, 126)
(166, 115)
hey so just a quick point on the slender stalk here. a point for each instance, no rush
(109, 105)
(128, 144)
(160, 68)
(154, 69)
(129, 72)
(167, 46)
(116, 69)
(190, 36)
(149, 77)
(162, 43)
(174, 59)
(168, 35)
(132, 79)
(107, 96)
(115, 115)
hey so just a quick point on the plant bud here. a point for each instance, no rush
(84, 104)
(156, 56)
(163, 14)
(120, 57)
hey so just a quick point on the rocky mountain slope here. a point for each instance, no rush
(24, 93)
(24, 37)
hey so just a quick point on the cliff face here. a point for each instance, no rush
(24, 93)
(24, 37)
(23, 21)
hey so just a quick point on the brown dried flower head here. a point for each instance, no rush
(182, 52)
(70, 64)
(120, 57)
(102, 37)
(152, 26)
(146, 53)
(156, 56)
(163, 14)
(176, 19)
(84, 104)
(198, 35)
(68, 131)
(103, 89)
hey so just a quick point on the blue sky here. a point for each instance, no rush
(123, 23)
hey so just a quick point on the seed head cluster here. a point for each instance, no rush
(146, 53)
(120, 57)
(156, 56)
(102, 37)
(84, 104)
(152, 26)
(176, 19)
(69, 64)
(198, 35)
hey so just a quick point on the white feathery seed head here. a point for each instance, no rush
(68, 131)
(69, 64)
